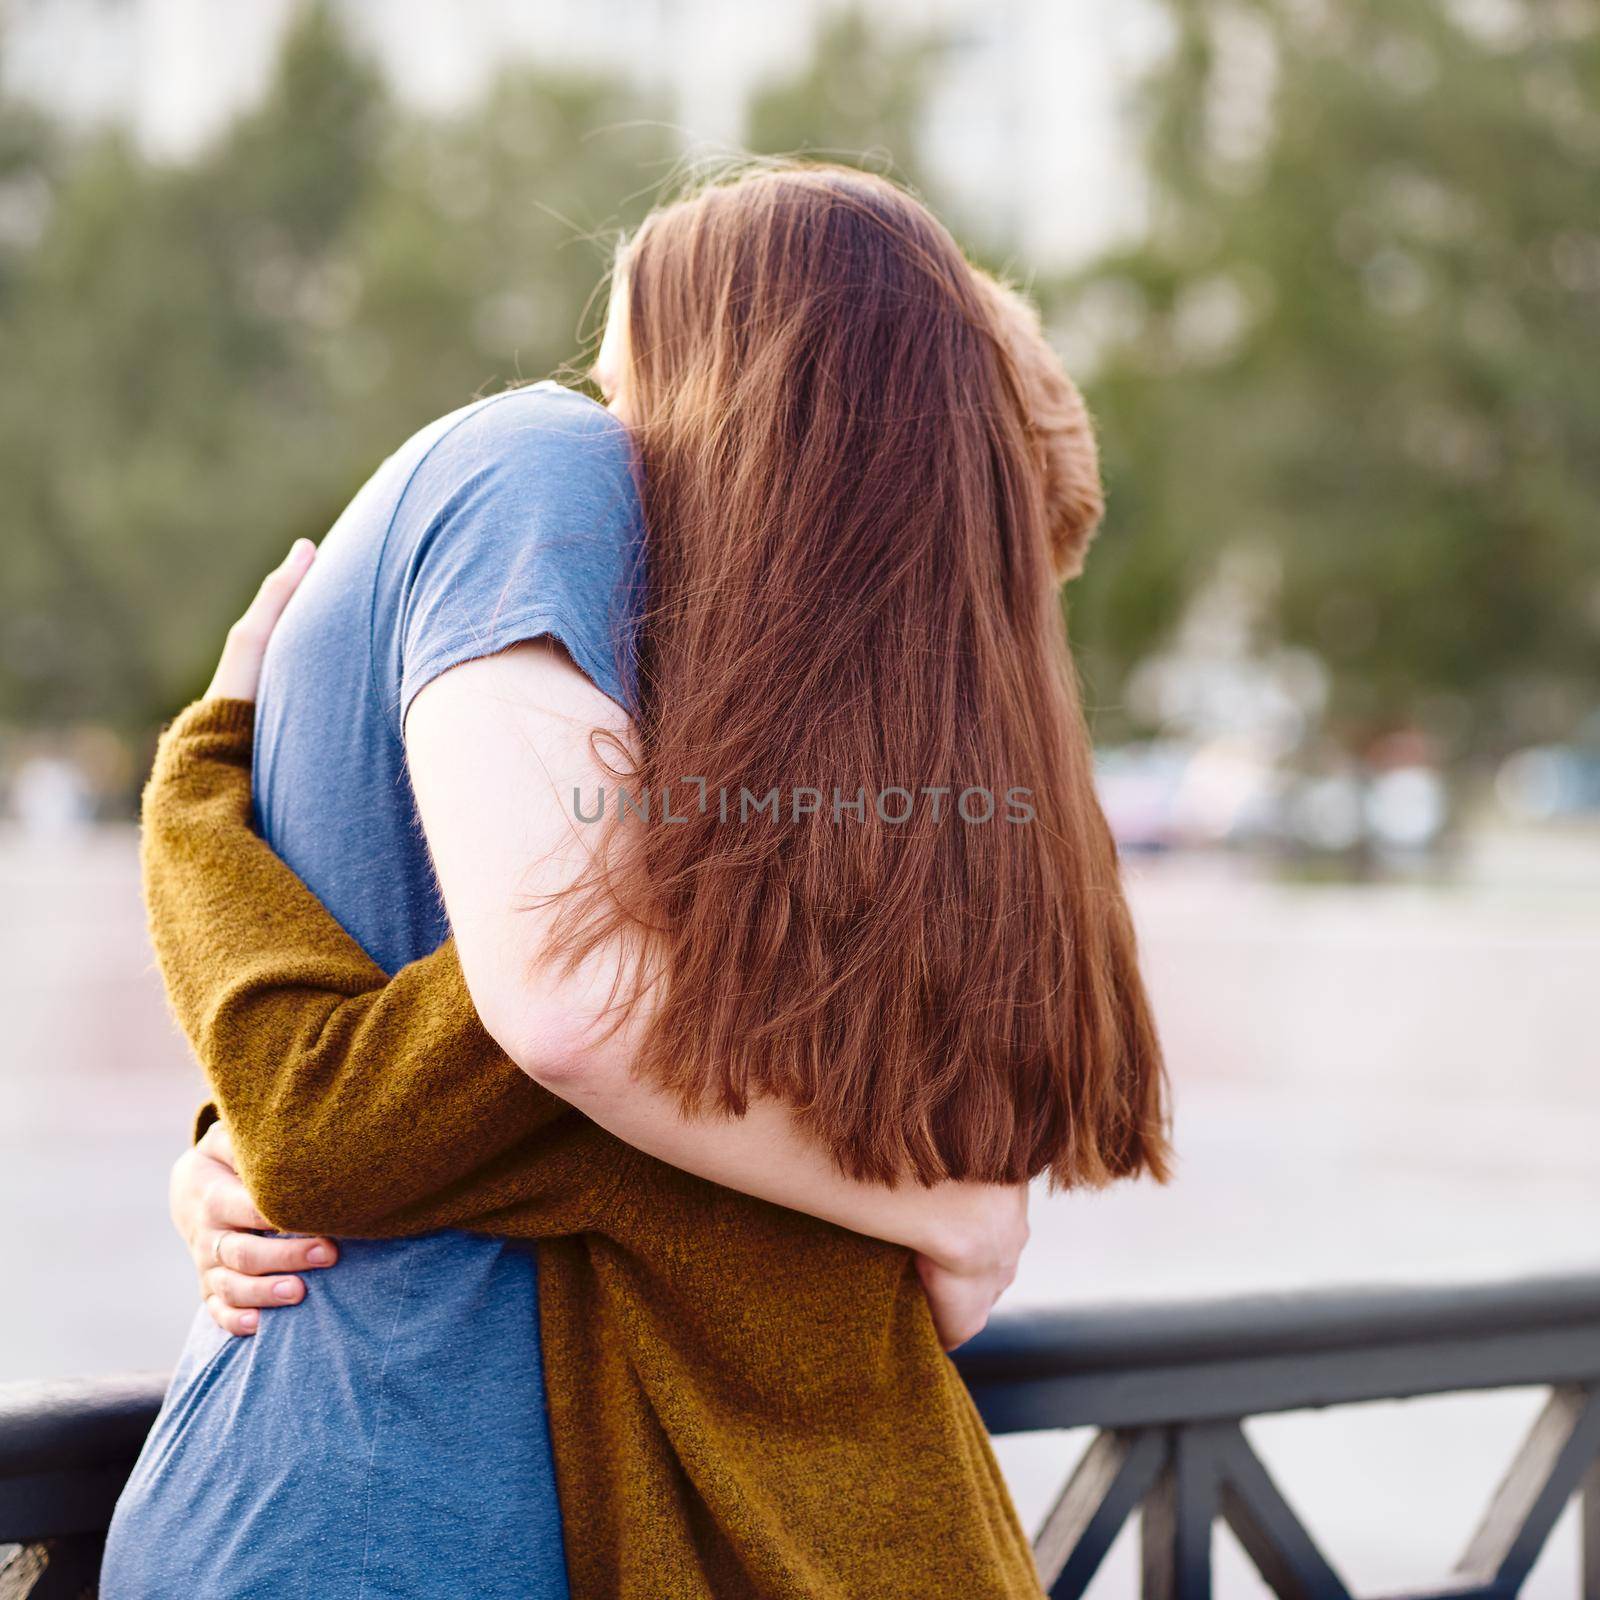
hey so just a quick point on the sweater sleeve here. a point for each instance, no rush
(359, 1104)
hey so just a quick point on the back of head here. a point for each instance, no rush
(1059, 424)
(923, 945)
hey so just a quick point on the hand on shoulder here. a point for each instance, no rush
(238, 673)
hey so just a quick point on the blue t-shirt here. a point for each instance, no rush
(387, 1437)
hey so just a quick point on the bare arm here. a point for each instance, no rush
(496, 748)
(307, 1044)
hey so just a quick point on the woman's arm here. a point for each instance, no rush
(358, 1103)
(364, 1105)
(358, 1106)
(370, 1105)
(497, 749)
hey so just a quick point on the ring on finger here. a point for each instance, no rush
(216, 1248)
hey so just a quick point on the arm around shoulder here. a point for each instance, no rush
(359, 1104)
(497, 747)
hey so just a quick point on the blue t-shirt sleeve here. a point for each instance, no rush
(520, 521)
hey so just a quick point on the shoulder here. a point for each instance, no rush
(535, 483)
(520, 518)
(540, 437)
(546, 407)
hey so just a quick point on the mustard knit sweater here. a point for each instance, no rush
(743, 1401)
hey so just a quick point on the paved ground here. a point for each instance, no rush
(1372, 1084)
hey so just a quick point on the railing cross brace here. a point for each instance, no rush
(1184, 1479)
(1560, 1449)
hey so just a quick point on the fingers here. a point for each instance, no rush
(239, 671)
(226, 1203)
(254, 1256)
(239, 1323)
(960, 1304)
(955, 1333)
(262, 615)
(217, 1143)
(241, 1292)
(242, 1274)
(243, 1267)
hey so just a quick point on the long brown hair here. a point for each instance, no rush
(850, 590)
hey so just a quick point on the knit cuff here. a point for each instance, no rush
(217, 715)
(203, 1118)
(211, 741)
(206, 733)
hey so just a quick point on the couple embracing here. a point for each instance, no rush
(586, 1208)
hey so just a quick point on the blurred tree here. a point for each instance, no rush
(1360, 338)
(199, 363)
(859, 99)
(29, 164)
(202, 362)
(1363, 336)
(164, 417)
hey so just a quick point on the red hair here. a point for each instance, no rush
(854, 538)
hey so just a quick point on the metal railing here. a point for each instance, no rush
(66, 1449)
(1167, 1386)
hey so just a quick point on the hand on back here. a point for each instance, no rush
(241, 1267)
(963, 1286)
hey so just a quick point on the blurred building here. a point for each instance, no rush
(1024, 132)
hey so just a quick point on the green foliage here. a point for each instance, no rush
(859, 99)
(199, 363)
(1364, 336)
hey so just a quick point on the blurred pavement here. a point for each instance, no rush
(1372, 1083)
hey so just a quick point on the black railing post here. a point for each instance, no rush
(1589, 1518)
(1175, 1526)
